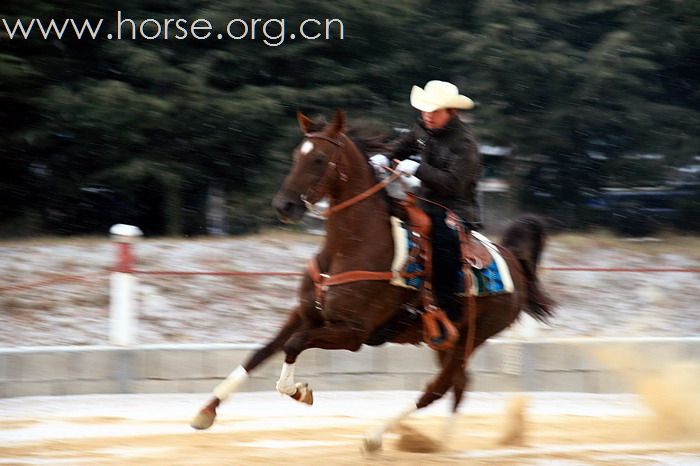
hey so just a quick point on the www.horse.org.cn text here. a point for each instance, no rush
(272, 32)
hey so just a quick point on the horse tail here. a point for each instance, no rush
(525, 239)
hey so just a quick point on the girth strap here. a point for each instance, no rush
(356, 276)
(322, 280)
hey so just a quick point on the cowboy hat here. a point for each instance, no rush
(439, 94)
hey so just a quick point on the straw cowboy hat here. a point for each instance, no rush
(439, 94)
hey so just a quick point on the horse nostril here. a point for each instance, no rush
(288, 207)
(284, 208)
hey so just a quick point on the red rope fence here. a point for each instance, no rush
(295, 274)
(47, 281)
(235, 273)
(232, 273)
(623, 269)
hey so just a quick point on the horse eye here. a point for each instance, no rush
(319, 159)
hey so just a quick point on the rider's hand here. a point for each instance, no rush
(379, 161)
(408, 167)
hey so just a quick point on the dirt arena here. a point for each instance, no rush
(264, 428)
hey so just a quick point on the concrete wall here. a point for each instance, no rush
(501, 365)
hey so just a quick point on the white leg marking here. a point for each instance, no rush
(285, 385)
(231, 383)
(374, 439)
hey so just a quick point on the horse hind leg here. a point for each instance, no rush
(435, 390)
(207, 414)
(459, 385)
(451, 375)
(460, 381)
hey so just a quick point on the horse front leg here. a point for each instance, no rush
(298, 391)
(330, 336)
(206, 415)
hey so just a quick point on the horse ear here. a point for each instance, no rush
(304, 122)
(338, 124)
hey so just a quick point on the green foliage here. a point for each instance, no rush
(158, 123)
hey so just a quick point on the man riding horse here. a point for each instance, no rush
(346, 295)
(449, 169)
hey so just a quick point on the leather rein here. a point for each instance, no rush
(318, 190)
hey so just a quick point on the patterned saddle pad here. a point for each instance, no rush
(408, 265)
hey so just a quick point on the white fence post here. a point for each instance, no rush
(123, 287)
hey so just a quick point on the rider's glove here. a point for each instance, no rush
(378, 162)
(408, 167)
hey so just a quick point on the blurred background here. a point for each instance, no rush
(587, 110)
(587, 113)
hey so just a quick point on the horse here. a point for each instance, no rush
(356, 300)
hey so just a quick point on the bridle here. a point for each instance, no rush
(321, 187)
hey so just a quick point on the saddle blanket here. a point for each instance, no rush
(494, 278)
(407, 265)
(407, 260)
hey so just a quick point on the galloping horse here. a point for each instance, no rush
(357, 299)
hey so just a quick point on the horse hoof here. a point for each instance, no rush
(304, 393)
(372, 444)
(203, 420)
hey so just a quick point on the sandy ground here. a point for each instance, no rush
(264, 428)
(206, 309)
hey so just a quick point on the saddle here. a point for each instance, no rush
(473, 252)
(439, 331)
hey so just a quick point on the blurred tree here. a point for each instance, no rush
(578, 85)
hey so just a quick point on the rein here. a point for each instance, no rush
(333, 165)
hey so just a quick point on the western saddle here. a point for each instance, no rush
(439, 332)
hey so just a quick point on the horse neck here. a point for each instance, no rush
(362, 229)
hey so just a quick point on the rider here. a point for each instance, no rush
(449, 169)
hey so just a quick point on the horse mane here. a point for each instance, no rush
(367, 139)
(369, 142)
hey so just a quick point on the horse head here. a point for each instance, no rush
(316, 169)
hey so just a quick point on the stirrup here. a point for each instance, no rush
(438, 330)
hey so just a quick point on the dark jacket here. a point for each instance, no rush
(450, 166)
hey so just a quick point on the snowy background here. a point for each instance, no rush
(210, 309)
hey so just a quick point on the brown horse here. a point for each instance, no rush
(353, 312)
